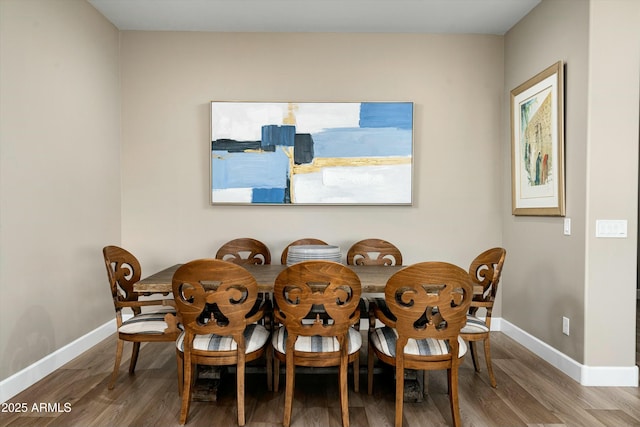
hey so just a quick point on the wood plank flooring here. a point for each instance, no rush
(530, 393)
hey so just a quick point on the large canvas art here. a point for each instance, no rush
(288, 153)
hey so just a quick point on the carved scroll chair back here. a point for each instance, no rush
(157, 323)
(305, 241)
(484, 270)
(374, 252)
(320, 342)
(216, 302)
(429, 302)
(245, 251)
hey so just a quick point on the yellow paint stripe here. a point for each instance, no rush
(322, 162)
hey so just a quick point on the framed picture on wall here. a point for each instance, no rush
(306, 153)
(537, 144)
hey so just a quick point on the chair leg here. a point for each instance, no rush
(474, 355)
(186, 389)
(116, 367)
(289, 389)
(240, 391)
(425, 383)
(453, 394)
(399, 393)
(269, 368)
(134, 357)
(370, 369)
(356, 373)
(487, 356)
(344, 391)
(180, 362)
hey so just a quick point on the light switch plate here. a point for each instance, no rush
(611, 228)
(567, 226)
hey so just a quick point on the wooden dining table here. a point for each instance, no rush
(373, 278)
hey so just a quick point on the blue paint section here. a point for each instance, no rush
(355, 142)
(397, 115)
(268, 195)
(249, 170)
(278, 135)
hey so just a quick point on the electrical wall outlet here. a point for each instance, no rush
(565, 325)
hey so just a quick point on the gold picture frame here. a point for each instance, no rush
(537, 144)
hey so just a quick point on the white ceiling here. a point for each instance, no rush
(354, 16)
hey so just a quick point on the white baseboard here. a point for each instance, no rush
(600, 376)
(30, 375)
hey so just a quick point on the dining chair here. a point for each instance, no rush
(485, 270)
(248, 251)
(245, 251)
(306, 241)
(216, 301)
(429, 302)
(156, 324)
(374, 252)
(317, 343)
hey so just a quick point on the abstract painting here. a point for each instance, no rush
(537, 144)
(311, 153)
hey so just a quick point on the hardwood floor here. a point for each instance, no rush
(530, 393)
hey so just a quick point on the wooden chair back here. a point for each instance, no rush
(485, 270)
(306, 241)
(245, 251)
(214, 297)
(123, 271)
(429, 300)
(374, 252)
(328, 285)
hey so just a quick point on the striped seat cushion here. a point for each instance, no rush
(474, 325)
(161, 309)
(145, 323)
(384, 339)
(255, 337)
(316, 343)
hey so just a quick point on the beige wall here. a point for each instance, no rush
(582, 277)
(168, 80)
(612, 179)
(544, 266)
(59, 174)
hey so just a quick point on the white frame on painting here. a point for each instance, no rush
(311, 153)
(537, 144)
